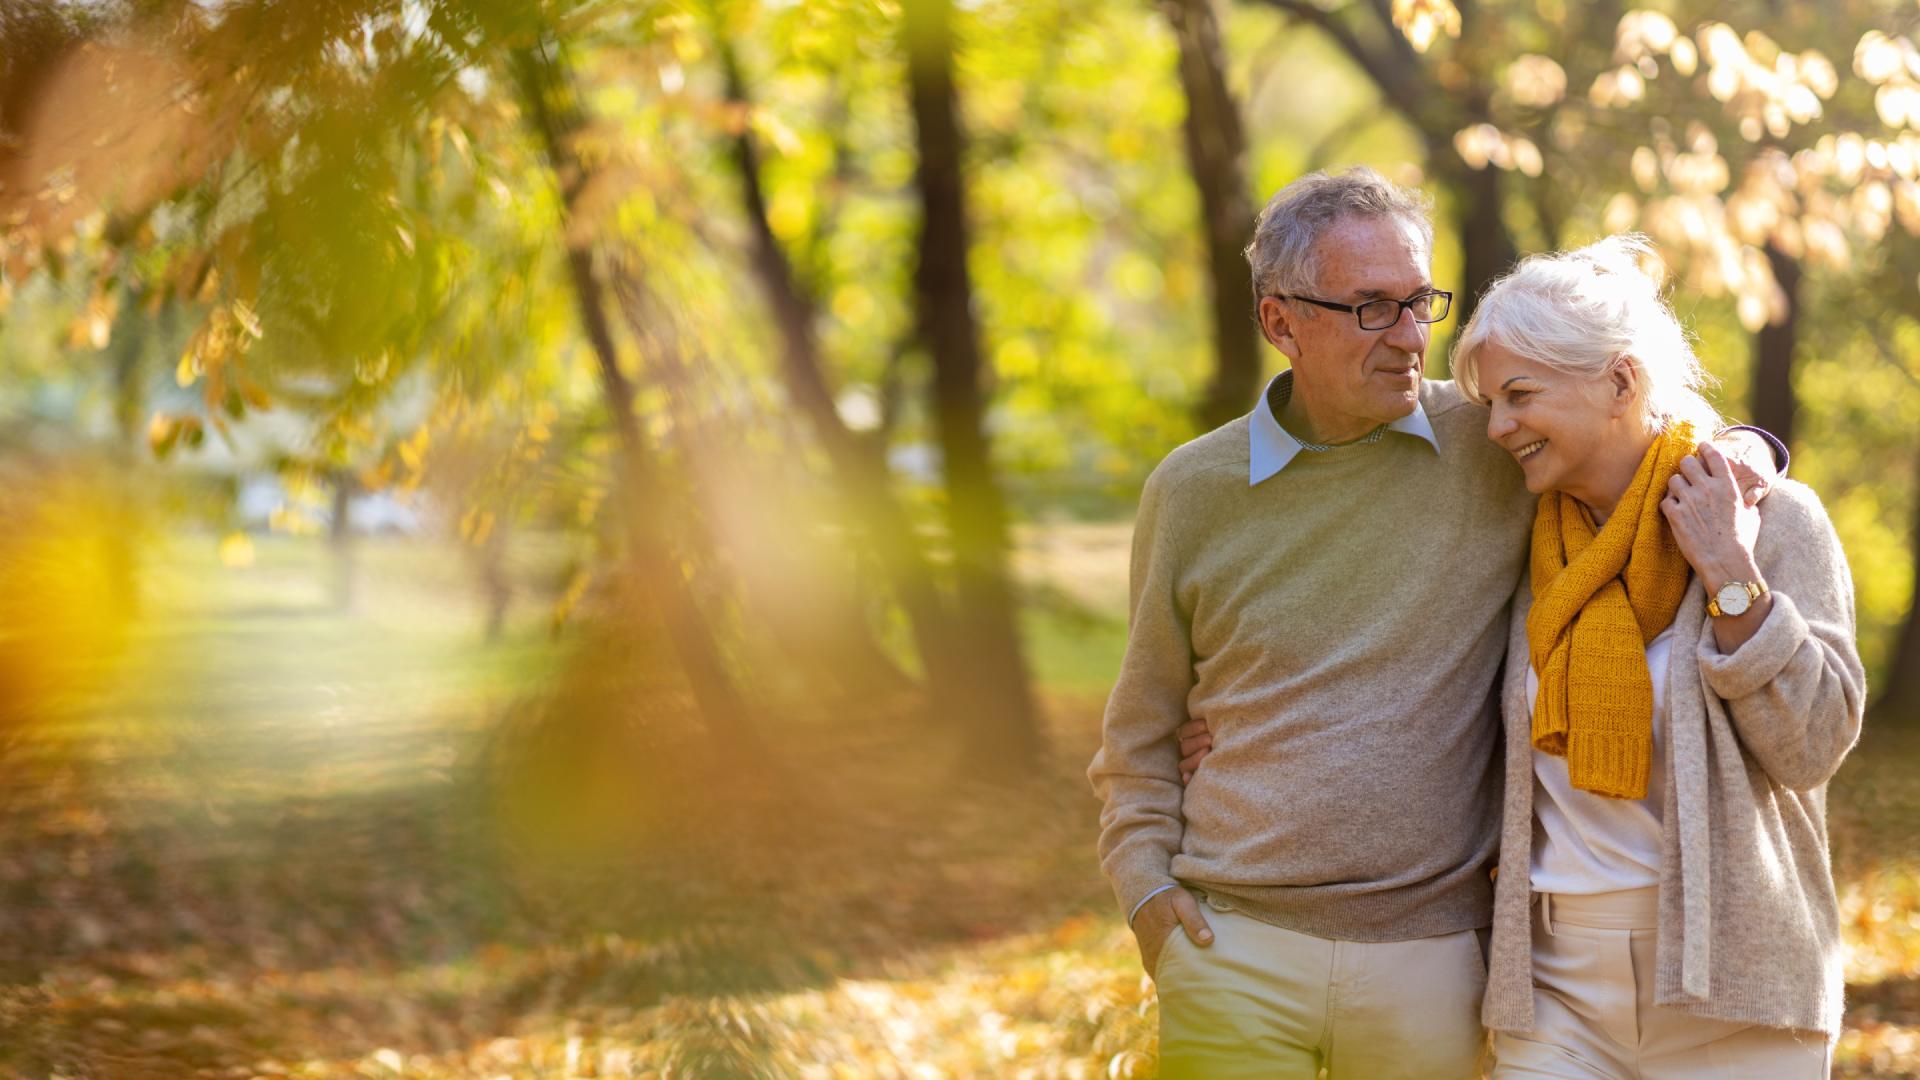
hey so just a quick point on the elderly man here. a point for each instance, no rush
(1324, 582)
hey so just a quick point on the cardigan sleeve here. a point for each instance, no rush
(1796, 690)
(1136, 772)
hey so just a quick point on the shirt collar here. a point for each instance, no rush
(1270, 448)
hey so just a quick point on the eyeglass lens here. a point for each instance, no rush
(1380, 314)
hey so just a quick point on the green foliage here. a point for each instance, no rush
(371, 240)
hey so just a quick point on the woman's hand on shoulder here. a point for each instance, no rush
(1717, 532)
(1715, 528)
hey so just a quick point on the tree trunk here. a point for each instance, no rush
(1217, 159)
(1487, 247)
(35, 37)
(553, 114)
(340, 540)
(1004, 737)
(496, 583)
(1899, 703)
(831, 638)
(1408, 87)
(129, 407)
(857, 470)
(1772, 400)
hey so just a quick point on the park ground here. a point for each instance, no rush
(276, 837)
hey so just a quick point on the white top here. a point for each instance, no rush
(1585, 843)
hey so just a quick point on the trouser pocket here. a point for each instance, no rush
(1166, 943)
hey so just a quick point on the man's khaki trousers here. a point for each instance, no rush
(1272, 1003)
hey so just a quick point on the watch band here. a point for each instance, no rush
(1754, 589)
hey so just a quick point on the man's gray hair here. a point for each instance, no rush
(1284, 253)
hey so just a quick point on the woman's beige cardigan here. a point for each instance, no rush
(1748, 926)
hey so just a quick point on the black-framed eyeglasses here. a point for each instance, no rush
(1428, 307)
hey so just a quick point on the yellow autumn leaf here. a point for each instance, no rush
(776, 132)
(249, 321)
(236, 551)
(1424, 20)
(413, 451)
(368, 371)
(476, 525)
(99, 318)
(161, 433)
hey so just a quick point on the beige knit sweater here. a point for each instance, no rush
(1340, 625)
(1748, 924)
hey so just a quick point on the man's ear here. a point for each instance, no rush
(1277, 323)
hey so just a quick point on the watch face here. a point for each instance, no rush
(1733, 598)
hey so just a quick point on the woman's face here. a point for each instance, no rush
(1565, 431)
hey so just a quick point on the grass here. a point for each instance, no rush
(287, 839)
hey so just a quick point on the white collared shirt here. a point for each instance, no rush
(1270, 446)
(1585, 843)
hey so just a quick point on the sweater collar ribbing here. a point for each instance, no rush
(1270, 448)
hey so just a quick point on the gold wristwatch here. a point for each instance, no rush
(1735, 597)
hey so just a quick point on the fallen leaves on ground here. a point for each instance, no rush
(351, 857)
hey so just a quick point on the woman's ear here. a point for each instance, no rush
(1625, 382)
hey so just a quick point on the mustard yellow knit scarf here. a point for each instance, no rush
(1598, 599)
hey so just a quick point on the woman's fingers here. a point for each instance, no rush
(1740, 481)
(1694, 469)
(1721, 468)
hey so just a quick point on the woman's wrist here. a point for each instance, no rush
(1720, 571)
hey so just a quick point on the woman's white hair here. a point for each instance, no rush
(1584, 312)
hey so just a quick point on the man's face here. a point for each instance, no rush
(1344, 373)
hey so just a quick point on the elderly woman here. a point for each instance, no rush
(1681, 681)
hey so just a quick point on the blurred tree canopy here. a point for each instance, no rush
(784, 314)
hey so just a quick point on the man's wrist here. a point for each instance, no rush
(1169, 886)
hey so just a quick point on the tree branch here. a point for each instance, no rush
(1394, 77)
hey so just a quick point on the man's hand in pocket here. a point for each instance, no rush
(1158, 918)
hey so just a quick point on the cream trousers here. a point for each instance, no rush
(1594, 1016)
(1272, 1003)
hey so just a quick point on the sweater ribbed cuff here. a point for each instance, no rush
(1137, 874)
(1760, 658)
(1143, 900)
(1782, 460)
(1614, 764)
